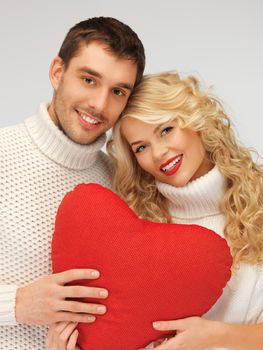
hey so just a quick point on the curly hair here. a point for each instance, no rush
(167, 96)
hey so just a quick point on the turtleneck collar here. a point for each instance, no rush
(57, 146)
(200, 197)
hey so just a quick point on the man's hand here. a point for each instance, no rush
(45, 301)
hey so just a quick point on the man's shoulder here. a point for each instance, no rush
(11, 127)
(11, 136)
(20, 126)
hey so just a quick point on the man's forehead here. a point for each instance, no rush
(94, 60)
(100, 47)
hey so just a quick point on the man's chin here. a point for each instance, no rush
(82, 137)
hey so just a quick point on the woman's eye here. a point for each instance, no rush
(166, 130)
(89, 81)
(139, 149)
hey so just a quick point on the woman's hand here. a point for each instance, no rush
(62, 336)
(157, 342)
(192, 333)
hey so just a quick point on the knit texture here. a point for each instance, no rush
(39, 165)
(198, 203)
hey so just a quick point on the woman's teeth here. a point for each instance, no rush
(171, 165)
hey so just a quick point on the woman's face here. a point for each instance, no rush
(172, 155)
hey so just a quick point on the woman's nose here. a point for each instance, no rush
(159, 151)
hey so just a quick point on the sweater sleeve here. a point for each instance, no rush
(7, 304)
(255, 313)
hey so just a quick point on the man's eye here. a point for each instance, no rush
(139, 149)
(166, 130)
(118, 92)
(89, 81)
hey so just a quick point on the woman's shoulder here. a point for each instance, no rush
(251, 273)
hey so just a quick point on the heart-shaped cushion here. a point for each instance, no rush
(153, 271)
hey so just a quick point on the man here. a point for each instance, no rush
(98, 65)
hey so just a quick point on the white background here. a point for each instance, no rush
(220, 41)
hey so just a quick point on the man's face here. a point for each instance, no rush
(91, 93)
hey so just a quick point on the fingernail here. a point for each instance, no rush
(156, 325)
(103, 293)
(91, 318)
(101, 309)
(95, 273)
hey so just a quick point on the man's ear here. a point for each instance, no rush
(57, 68)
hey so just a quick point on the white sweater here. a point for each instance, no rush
(38, 166)
(197, 203)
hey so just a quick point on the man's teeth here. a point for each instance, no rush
(171, 165)
(88, 119)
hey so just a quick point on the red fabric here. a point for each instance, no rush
(153, 271)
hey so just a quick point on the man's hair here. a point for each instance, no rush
(118, 37)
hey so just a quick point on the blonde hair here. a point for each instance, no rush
(166, 96)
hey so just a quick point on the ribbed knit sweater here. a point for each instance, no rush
(198, 203)
(39, 165)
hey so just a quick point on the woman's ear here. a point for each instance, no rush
(56, 71)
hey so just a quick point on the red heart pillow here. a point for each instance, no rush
(153, 271)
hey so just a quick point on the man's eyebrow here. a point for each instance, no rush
(125, 86)
(98, 75)
(90, 71)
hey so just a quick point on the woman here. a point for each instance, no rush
(177, 160)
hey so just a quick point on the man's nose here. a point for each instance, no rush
(99, 100)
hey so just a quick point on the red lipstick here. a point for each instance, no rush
(172, 165)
